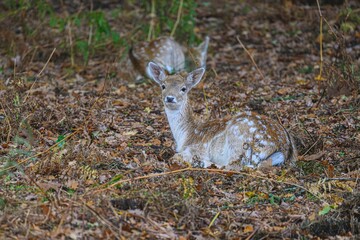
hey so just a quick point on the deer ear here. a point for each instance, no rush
(155, 72)
(204, 45)
(202, 50)
(194, 77)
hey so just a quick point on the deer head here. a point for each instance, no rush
(174, 87)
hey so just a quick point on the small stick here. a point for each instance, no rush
(251, 57)
(39, 74)
(214, 218)
(340, 179)
(61, 141)
(152, 21)
(177, 19)
(190, 169)
(319, 77)
(71, 45)
(47, 62)
(252, 234)
(311, 146)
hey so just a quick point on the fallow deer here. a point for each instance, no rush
(167, 53)
(247, 139)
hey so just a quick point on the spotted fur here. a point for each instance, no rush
(167, 53)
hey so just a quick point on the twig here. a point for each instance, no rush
(71, 45)
(319, 77)
(190, 169)
(251, 57)
(311, 146)
(39, 74)
(152, 21)
(340, 179)
(47, 62)
(214, 218)
(252, 234)
(177, 19)
(331, 29)
(61, 141)
(112, 228)
(321, 97)
(40, 153)
(314, 157)
(214, 71)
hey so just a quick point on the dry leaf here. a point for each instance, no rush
(130, 133)
(72, 184)
(284, 91)
(248, 228)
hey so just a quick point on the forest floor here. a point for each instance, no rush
(85, 151)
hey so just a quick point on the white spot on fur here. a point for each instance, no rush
(277, 158)
(252, 130)
(248, 154)
(262, 155)
(245, 120)
(169, 68)
(251, 123)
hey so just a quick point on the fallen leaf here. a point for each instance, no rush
(72, 184)
(283, 91)
(248, 228)
(130, 133)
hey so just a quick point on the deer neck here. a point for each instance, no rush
(182, 124)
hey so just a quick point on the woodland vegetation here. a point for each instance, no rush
(85, 151)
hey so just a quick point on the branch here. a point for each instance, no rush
(252, 59)
(190, 169)
(177, 19)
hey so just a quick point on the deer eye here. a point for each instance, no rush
(183, 89)
(162, 86)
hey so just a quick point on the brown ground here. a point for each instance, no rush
(116, 131)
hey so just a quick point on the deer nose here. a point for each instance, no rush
(170, 99)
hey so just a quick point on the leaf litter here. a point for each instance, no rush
(87, 153)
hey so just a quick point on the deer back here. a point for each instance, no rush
(164, 51)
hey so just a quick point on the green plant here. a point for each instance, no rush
(97, 35)
(326, 209)
(2, 203)
(17, 5)
(21, 149)
(187, 187)
(176, 17)
(349, 19)
(306, 69)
